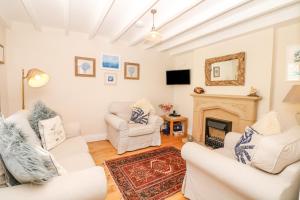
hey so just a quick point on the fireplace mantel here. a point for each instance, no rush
(241, 110)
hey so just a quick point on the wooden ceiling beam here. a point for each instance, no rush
(207, 15)
(280, 16)
(128, 25)
(258, 10)
(106, 9)
(27, 4)
(141, 36)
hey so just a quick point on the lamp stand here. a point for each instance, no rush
(23, 88)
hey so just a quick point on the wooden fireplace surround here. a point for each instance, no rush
(241, 110)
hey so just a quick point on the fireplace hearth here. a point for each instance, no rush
(215, 131)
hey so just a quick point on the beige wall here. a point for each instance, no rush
(287, 36)
(79, 98)
(3, 88)
(258, 47)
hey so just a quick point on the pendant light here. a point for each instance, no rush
(154, 35)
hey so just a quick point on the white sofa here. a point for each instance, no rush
(129, 137)
(215, 174)
(83, 180)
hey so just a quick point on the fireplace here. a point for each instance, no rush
(215, 131)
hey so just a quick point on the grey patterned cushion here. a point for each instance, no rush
(245, 147)
(138, 116)
(7, 179)
(27, 164)
(40, 112)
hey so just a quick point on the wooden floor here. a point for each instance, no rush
(103, 150)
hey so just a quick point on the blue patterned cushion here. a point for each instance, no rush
(138, 116)
(244, 149)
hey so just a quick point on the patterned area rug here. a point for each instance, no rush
(151, 175)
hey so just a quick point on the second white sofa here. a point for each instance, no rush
(83, 180)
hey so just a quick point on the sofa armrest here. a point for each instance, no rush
(116, 122)
(251, 182)
(231, 140)
(155, 120)
(82, 185)
(72, 129)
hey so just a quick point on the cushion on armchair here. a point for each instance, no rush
(276, 152)
(140, 129)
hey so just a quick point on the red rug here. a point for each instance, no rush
(151, 175)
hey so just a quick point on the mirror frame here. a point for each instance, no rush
(241, 70)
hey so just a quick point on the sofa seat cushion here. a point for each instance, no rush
(76, 162)
(229, 153)
(70, 147)
(140, 129)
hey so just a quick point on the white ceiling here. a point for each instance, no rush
(184, 24)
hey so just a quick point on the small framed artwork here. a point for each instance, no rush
(1, 54)
(293, 63)
(85, 67)
(110, 78)
(132, 71)
(216, 71)
(110, 62)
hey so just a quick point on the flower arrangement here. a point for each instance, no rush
(166, 107)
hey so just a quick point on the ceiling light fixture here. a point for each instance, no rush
(154, 35)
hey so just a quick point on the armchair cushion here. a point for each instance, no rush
(276, 152)
(140, 129)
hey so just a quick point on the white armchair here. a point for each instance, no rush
(125, 136)
(215, 174)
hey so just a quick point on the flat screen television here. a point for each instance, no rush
(178, 77)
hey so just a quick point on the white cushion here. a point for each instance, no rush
(274, 153)
(140, 129)
(70, 147)
(145, 105)
(20, 118)
(52, 132)
(268, 124)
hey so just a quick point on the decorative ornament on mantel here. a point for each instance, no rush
(166, 108)
(199, 90)
(253, 92)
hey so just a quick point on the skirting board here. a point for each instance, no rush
(95, 137)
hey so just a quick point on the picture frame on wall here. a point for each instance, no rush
(293, 63)
(85, 67)
(110, 62)
(110, 78)
(131, 71)
(216, 71)
(1, 54)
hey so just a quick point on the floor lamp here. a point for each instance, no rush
(35, 78)
(293, 97)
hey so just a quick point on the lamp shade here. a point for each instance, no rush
(37, 78)
(153, 36)
(293, 95)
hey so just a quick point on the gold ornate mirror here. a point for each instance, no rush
(225, 70)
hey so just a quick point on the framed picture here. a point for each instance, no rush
(1, 54)
(216, 71)
(85, 66)
(293, 63)
(110, 78)
(110, 62)
(132, 71)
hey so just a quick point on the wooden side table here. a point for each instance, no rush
(172, 120)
